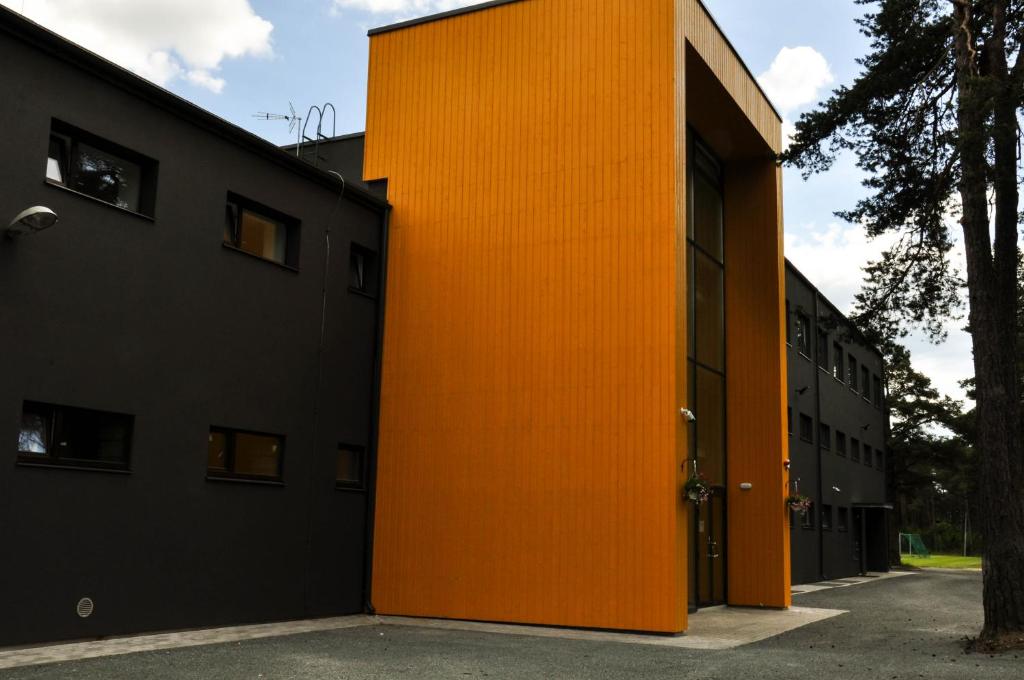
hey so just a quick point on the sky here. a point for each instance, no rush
(238, 58)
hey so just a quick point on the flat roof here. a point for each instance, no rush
(430, 18)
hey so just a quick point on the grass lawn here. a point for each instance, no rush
(944, 562)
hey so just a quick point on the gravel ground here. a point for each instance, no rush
(904, 628)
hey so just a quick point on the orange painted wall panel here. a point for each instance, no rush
(527, 453)
(530, 439)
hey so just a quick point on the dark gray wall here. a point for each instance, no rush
(155, 318)
(819, 554)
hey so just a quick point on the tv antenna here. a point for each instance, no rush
(293, 119)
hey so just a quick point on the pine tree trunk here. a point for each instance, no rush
(983, 98)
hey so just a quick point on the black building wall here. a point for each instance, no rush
(833, 478)
(155, 318)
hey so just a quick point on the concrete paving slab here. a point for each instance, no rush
(713, 628)
(74, 651)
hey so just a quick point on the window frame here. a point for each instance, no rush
(807, 518)
(352, 485)
(851, 372)
(822, 348)
(879, 459)
(841, 450)
(71, 137)
(824, 436)
(854, 450)
(826, 517)
(838, 362)
(292, 226)
(228, 474)
(803, 417)
(868, 457)
(803, 335)
(843, 513)
(865, 379)
(371, 278)
(876, 389)
(55, 426)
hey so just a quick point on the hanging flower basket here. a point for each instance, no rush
(697, 488)
(798, 502)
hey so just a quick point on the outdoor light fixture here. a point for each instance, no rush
(31, 220)
(687, 415)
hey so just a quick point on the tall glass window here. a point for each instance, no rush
(705, 253)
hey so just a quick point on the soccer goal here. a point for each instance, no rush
(911, 544)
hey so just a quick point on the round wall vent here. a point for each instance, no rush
(85, 607)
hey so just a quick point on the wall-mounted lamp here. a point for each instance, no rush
(837, 489)
(30, 220)
(786, 463)
(746, 486)
(687, 415)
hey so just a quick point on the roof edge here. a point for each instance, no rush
(438, 16)
(39, 37)
(430, 18)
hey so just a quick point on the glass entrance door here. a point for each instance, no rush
(706, 353)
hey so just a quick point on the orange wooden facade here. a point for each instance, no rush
(534, 361)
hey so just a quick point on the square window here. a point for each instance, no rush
(840, 443)
(236, 454)
(351, 467)
(261, 231)
(843, 519)
(78, 437)
(826, 518)
(362, 270)
(92, 166)
(825, 436)
(806, 428)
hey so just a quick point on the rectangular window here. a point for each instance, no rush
(855, 450)
(806, 428)
(789, 420)
(351, 467)
(876, 388)
(879, 460)
(261, 231)
(843, 519)
(803, 334)
(362, 270)
(822, 348)
(83, 162)
(236, 454)
(865, 382)
(76, 437)
(840, 443)
(807, 519)
(825, 436)
(867, 455)
(788, 326)
(826, 518)
(837, 362)
(852, 373)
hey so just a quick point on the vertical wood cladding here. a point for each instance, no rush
(756, 386)
(530, 437)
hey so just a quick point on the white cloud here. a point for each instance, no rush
(796, 77)
(161, 40)
(410, 7)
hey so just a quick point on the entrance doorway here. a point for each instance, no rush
(706, 376)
